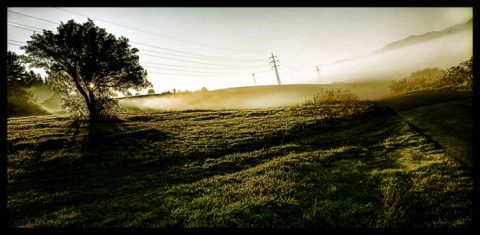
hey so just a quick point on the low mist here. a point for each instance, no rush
(368, 77)
(443, 52)
(248, 97)
(233, 98)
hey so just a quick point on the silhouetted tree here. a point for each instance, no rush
(151, 91)
(88, 64)
(19, 100)
(17, 76)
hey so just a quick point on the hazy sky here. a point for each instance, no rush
(191, 48)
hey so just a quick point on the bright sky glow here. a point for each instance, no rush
(191, 48)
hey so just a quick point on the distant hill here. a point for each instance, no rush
(397, 60)
(416, 39)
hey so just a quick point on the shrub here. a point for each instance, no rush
(460, 76)
(340, 102)
(333, 96)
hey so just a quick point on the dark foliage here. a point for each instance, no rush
(88, 65)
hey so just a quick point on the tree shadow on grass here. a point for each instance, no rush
(95, 165)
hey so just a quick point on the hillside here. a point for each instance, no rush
(249, 97)
(444, 116)
(288, 167)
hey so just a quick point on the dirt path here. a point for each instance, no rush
(444, 116)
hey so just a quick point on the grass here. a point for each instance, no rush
(313, 166)
(446, 116)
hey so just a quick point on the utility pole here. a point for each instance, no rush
(255, 82)
(275, 66)
(318, 72)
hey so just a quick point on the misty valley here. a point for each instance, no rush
(383, 140)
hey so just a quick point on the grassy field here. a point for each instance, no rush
(305, 166)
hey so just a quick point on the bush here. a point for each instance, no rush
(460, 76)
(341, 102)
(333, 96)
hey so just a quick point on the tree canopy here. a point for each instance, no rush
(88, 65)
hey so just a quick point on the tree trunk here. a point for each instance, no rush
(89, 100)
(94, 114)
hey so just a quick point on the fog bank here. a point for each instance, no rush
(248, 97)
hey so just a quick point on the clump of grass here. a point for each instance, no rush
(345, 102)
(334, 96)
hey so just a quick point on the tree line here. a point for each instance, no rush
(459, 77)
(20, 100)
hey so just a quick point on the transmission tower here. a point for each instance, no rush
(318, 72)
(275, 66)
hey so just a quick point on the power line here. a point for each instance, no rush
(186, 56)
(210, 57)
(15, 41)
(285, 68)
(294, 76)
(196, 73)
(15, 44)
(172, 38)
(213, 57)
(192, 67)
(204, 75)
(289, 67)
(189, 61)
(200, 72)
(293, 65)
(182, 70)
(20, 27)
(229, 66)
(11, 24)
(34, 17)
